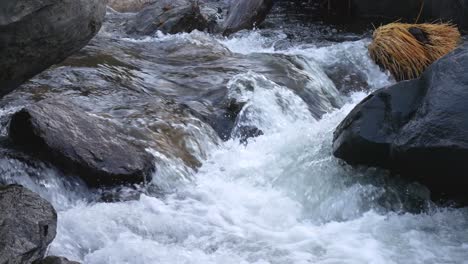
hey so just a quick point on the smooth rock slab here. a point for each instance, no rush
(27, 225)
(93, 148)
(35, 34)
(417, 128)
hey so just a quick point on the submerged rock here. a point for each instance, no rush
(417, 128)
(55, 260)
(37, 34)
(247, 132)
(169, 17)
(27, 225)
(246, 14)
(89, 146)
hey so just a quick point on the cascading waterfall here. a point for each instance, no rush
(280, 197)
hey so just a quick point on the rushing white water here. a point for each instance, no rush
(281, 198)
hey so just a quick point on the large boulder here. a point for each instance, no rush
(55, 260)
(37, 34)
(27, 225)
(455, 11)
(246, 14)
(417, 128)
(169, 16)
(79, 143)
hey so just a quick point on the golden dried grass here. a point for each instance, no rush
(398, 51)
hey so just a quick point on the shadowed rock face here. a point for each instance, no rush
(455, 11)
(416, 128)
(386, 8)
(36, 34)
(89, 146)
(246, 14)
(27, 225)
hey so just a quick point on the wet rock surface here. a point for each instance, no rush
(37, 34)
(416, 128)
(27, 225)
(91, 147)
(246, 14)
(126, 74)
(168, 17)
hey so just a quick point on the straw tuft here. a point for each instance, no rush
(406, 50)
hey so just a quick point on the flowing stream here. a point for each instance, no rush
(280, 197)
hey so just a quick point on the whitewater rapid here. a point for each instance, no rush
(279, 198)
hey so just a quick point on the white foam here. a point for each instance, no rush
(280, 199)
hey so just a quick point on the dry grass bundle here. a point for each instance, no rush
(406, 50)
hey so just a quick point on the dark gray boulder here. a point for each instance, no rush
(246, 14)
(37, 34)
(91, 147)
(27, 225)
(168, 17)
(55, 260)
(417, 128)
